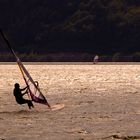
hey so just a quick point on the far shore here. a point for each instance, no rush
(71, 63)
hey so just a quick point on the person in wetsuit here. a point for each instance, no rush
(19, 96)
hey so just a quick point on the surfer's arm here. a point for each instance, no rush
(24, 88)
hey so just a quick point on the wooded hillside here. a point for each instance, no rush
(98, 26)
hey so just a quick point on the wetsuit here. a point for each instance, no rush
(19, 97)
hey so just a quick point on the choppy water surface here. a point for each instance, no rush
(100, 101)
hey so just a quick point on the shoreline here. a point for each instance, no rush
(71, 63)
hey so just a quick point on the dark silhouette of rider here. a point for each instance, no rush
(19, 96)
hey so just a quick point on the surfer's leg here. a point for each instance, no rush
(30, 104)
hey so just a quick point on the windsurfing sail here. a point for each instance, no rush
(33, 86)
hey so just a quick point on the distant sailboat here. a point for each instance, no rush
(96, 59)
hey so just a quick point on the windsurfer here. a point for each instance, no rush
(19, 96)
(96, 59)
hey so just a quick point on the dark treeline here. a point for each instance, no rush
(83, 26)
(69, 57)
